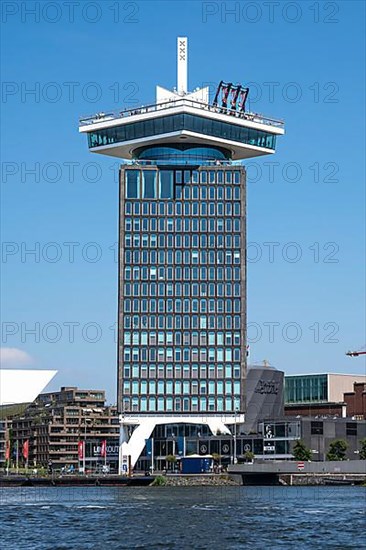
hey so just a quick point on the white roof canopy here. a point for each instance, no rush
(22, 385)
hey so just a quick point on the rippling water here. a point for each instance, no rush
(183, 517)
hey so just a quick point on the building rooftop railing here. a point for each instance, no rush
(182, 162)
(183, 102)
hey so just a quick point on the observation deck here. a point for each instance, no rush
(181, 120)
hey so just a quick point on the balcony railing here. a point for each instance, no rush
(113, 115)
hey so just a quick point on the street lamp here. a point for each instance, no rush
(173, 438)
(235, 460)
(86, 420)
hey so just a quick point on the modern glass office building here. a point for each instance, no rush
(182, 293)
(319, 388)
(182, 256)
(306, 389)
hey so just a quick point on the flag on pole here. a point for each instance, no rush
(7, 450)
(103, 448)
(25, 450)
(81, 449)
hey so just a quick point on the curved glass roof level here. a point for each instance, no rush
(179, 154)
(241, 136)
(187, 117)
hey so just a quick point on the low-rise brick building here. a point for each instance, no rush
(356, 401)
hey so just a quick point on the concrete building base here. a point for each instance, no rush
(135, 430)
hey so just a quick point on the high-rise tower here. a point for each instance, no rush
(182, 255)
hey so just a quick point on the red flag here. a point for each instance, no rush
(7, 450)
(103, 448)
(81, 449)
(25, 450)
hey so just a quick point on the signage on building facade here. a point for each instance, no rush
(107, 450)
(267, 387)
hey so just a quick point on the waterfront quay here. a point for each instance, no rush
(256, 473)
(300, 472)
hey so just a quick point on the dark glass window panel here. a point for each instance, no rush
(316, 428)
(149, 184)
(136, 130)
(351, 428)
(166, 184)
(187, 176)
(132, 184)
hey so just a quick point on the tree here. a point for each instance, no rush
(159, 481)
(216, 457)
(249, 456)
(301, 451)
(362, 454)
(171, 459)
(337, 450)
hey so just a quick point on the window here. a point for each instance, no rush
(237, 371)
(351, 428)
(166, 184)
(236, 178)
(228, 387)
(211, 404)
(306, 388)
(228, 354)
(228, 177)
(132, 184)
(149, 184)
(126, 371)
(203, 177)
(316, 428)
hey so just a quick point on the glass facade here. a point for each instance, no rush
(182, 290)
(182, 154)
(173, 123)
(306, 389)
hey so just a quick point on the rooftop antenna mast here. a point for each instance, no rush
(182, 65)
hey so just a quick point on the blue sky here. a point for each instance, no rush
(303, 62)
